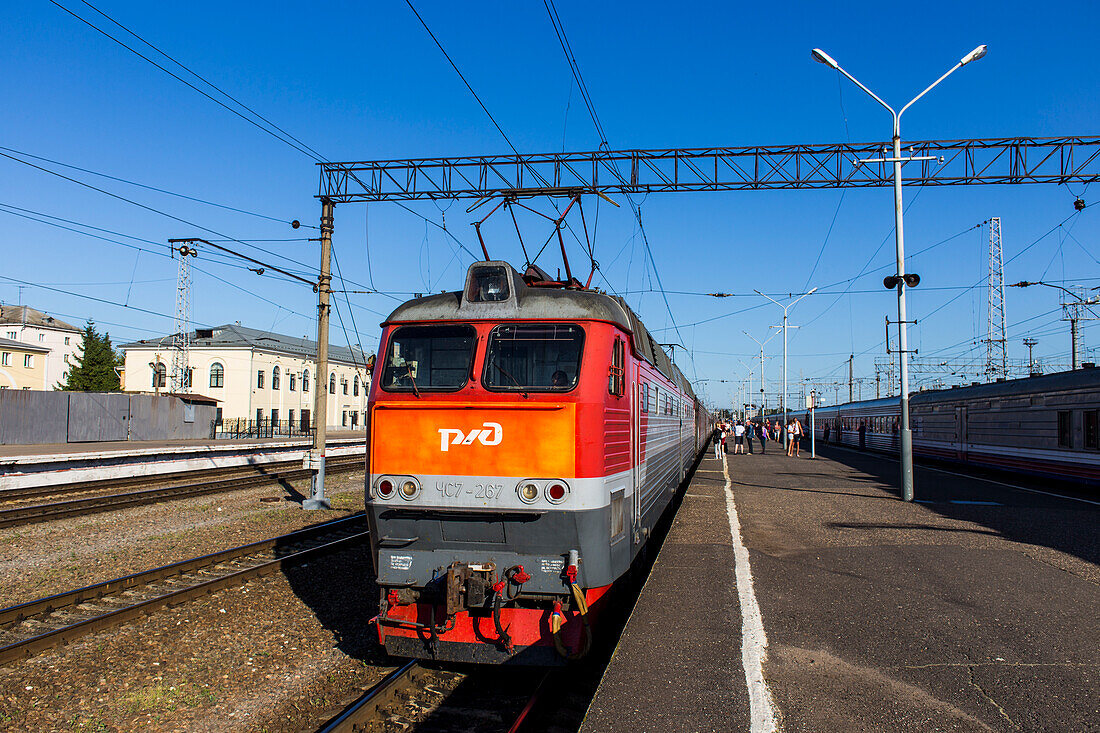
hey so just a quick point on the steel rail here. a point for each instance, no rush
(107, 502)
(367, 707)
(35, 616)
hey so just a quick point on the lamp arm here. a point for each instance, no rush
(950, 71)
(873, 96)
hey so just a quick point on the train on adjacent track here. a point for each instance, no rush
(525, 435)
(1043, 426)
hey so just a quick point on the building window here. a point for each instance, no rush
(217, 375)
(66, 340)
(65, 358)
(354, 418)
(290, 418)
(28, 361)
(218, 416)
(41, 337)
(5, 359)
(13, 335)
(332, 383)
(292, 378)
(344, 384)
(344, 420)
(1065, 429)
(160, 376)
(274, 417)
(275, 378)
(260, 379)
(305, 381)
(1091, 420)
(355, 391)
(188, 377)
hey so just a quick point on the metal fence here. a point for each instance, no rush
(246, 428)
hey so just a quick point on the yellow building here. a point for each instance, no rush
(256, 375)
(23, 366)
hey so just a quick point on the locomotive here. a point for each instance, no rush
(524, 437)
(1044, 426)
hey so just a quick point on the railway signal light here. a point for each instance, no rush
(911, 279)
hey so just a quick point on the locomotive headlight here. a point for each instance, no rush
(385, 488)
(409, 490)
(556, 492)
(528, 492)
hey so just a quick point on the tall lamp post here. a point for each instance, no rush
(785, 309)
(761, 345)
(901, 280)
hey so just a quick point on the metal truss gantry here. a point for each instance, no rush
(1015, 160)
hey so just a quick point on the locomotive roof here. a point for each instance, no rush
(1077, 379)
(536, 303)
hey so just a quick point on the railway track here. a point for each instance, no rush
(417, 697)
(29, 628)
(33, 513)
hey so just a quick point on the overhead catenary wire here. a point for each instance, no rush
(275, 133)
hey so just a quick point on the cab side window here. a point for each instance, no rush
(616, 375)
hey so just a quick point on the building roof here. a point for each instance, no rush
(25, 315)
(232, 335)
(10, 344)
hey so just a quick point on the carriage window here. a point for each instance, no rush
(616, 375)
(535, 357)
(1090, 428)
(1065, 429)
(428, 358)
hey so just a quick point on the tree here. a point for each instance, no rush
(94, 369)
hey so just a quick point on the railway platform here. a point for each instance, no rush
(802, 595)
(23, 466)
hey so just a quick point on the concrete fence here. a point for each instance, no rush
(28, 417)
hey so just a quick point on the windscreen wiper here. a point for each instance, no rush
(412, 379)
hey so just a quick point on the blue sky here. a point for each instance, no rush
(362, 81)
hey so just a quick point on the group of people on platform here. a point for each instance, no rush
(742, 432)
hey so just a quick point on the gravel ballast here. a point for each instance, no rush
(279, 653)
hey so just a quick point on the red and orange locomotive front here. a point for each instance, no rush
(503, 467)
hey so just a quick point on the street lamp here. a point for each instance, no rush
(900, 280)
(761, 345)
(785, 309)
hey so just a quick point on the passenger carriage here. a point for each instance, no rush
(1045, 426)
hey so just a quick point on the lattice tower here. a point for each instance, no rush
(181, 338)
(996, 356)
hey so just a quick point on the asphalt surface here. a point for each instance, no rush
(677, 666)
(976, 608)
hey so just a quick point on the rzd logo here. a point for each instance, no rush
(489, 434)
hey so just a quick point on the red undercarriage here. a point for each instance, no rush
(526, 627)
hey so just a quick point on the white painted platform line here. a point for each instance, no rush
(754, 642)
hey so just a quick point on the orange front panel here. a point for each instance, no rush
(535, 440)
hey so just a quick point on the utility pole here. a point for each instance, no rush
(317, 498)
(761, 344)
(1030, 344)
(851, 396)
(785, 309)
(1077, 309)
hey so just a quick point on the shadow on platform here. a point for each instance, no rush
(1060, 523)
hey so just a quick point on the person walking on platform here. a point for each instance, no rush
(763, 435)
(719, 441)
(750, 433)
(798, 432)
